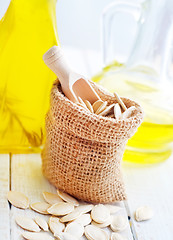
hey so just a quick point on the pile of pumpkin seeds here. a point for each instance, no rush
(70, 220)
(116, 110)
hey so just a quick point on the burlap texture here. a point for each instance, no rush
(83, 151)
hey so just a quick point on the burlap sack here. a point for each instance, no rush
(83, 151)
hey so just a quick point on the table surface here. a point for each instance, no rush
(145, 184)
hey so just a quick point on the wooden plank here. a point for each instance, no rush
(27, 178)
(4, 205)
(151, 185)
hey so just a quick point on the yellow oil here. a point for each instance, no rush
(27, 31)
(152, 143)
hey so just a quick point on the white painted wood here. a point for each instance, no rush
(151, 185)
(4, 205)
(26, 177)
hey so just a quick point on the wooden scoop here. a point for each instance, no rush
(73, 84)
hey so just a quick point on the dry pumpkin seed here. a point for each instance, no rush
(117, 236)
(67, 198)
(60, 209)
(82, 103)
(27, 223)
(100, 213)
(101, 108)
(40, 207)
(97, 104)
(51, 198)
(37, 236)
(85, 208)
(75, 229)
(41, 223)
(129, 112)
(65, 236)
(117, 111)
(102, 225)
(95, 233)
(55, 225)
(119, 223)
(18, 199)
(89, 106)
(108, 110)
(143, 213)
(120, 101)
(71, 216)
(112, 208)
(84, 219)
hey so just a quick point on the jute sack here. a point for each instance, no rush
(83, 151)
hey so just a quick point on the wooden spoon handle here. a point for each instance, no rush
(55, 60)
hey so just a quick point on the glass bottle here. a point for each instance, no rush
(144, 76)
(27, 30)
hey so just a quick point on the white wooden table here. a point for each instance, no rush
(145, 185)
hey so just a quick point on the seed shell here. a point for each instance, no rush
(129, 112)
(40, 207)
(119, 223)
(117, 236)
(67, 198)
(60, 209)
(51, 198)
(143, 213)
(18, 199)
(41, 223)
(71, 216)
(65, 236)
(75, 229)
(117, 111)
(84, 219)
(108, 110)
(95, 233)
(102, 225)
(120, 101)
(97, 104)
(55, 225)
(27, 223)
(112, 208)
(100, 213)
(89, 106)
(37, 236)
(101, 108)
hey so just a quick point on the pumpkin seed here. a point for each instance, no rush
(117, 236)
(120, 101)
(100, 213)
(55, 225)
(118, 223)
(71, 216)
(102, 225)
(84, 219)
(95, 233)
(117, 111)
(75, 229)
(40, 207)
(37, 236)
(65, 236)
(97, 104)
(143, 213)
(60, 209)
(41, 223)
(129, 112)
(18, 199)
(108, 110)
(101, 108)
(85, 208)
(51, 198)
(27, 224)
(89, 106)
(112, 208)
(82, 103)
(67, 198)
